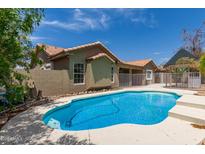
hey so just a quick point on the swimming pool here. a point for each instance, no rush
(134, 107)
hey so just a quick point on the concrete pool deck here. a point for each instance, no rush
(28, 128)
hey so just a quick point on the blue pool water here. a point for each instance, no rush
(144, 108)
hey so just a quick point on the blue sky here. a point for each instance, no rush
(131, 34)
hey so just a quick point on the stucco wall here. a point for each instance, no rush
(92, 77)
(149, 66)
(61, 63)
(99, 72)
(51, 82)
(76, 57)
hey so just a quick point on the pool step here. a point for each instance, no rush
(190, 114)
(192, 101)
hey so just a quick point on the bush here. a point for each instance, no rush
(16, 94)
(202, 64)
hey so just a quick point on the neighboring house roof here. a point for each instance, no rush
(180, 54)
(51, 50)
(141, 63)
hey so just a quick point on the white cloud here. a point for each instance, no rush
(145, 18)
(64, 25)
(81, 21)
(139, 16)
(104, 20)
(95, 19)
(37, 38)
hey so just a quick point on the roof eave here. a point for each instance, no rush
(60, 55)
(130, 66)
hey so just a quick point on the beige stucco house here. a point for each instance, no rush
(93, 66)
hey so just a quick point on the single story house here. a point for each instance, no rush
(93, 65)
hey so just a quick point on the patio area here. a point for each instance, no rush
(28, 128)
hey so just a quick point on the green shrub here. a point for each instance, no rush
(202, 64)
(16, 50)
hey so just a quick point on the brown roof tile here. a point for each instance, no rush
(140, 62)
(96, 56)
(83, 46)
(51, 50)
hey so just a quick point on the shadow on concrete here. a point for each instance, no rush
(27, 128)
(69, 140)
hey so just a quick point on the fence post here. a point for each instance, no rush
(130, 77)
(166, 79)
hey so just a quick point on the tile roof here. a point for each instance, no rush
(83, 46)
(98, 56)
(97, 44)
(140, 62)
(51, 50)
(55, 52)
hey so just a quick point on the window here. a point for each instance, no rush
(148, 74)
(112, 74)
(78, 73)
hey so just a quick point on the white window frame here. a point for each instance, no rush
(112, 74)
(79, 73)
(151, 75)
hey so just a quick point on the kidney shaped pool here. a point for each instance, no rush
(144, 107)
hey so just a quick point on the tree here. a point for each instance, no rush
(184, 64)
(202, 64)
(194, 40)
(16, 48)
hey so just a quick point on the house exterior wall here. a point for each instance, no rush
(61, 64)
(93, 77)
(149, 66)
(60, 80)
(99, 72)
(77, 57)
